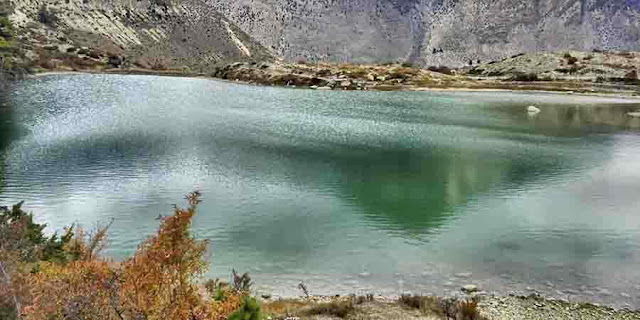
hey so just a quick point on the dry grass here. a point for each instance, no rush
(468, 310)
(283, 306)
(334, 308)
(340, 308)
(424, 303)
(443, 307)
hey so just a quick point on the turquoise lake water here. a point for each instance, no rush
(348, 192)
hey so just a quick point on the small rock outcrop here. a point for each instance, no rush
(469, 288)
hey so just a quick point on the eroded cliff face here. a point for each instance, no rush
(383, 30)
(152, 34)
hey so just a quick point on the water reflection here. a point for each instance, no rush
(7, 129)
(338, 183)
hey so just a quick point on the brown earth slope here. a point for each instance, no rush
(84, 34)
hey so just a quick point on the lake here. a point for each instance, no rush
(346, 191)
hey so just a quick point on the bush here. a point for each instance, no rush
(241, 283)
(525, 77)
(631, 76)
(443, 307)
(468, 310)
(570, 59)
(335, 308)
(475, 71)
(217, 289)
(407, 64)
(56, 278)
(418, 302)
(159, 63)
(22, 244)
(6, 28)
(47, 17)
(440, 69)
(250, 310)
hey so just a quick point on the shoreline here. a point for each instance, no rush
(485, 306)
(532, 88)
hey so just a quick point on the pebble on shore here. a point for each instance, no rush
(469, 288)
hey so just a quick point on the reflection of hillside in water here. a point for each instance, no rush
(6, 131)
(416, 191)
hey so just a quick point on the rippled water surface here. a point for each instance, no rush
(382, 192)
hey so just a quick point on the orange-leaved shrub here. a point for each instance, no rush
(159, 280)
(75, 282)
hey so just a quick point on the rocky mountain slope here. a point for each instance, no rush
(599, 66)
(434, 32)
(150, 34)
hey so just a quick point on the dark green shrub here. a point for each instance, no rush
(217, 289)
(22, 241)
(324, 73)
(6, 28)
(47, 17)
(475, 71)
(440, 69)
(250, 310)
(19, 233)
(527, 77)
